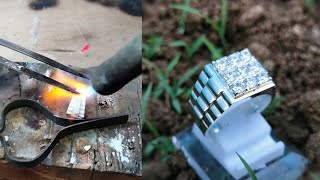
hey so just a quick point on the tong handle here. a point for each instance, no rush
(76, 126)
(40, 57)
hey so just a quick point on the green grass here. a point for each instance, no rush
(174, 89)
(145, 102)
(314, 176)
(164, 75)
(246, 165)
(162, 144)
(253, 176)
(183, 18)
(271, 109)
(309, 4)
(195, 45)
(218, 25)
(152, 46)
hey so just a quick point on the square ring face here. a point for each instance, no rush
(242, 72)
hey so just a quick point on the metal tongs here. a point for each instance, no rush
(21, 69)
(64, 126)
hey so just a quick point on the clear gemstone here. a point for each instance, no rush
(241, 71)
(245, 52)
(234, 58)
(255, 66)
(229, 77)
(238, 87)
(220, 64)
(245, 59)
(250, 83)
(262, 77)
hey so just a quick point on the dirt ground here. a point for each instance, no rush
(283, 34)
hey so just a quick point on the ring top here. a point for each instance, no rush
(224, 82)
(241, 71)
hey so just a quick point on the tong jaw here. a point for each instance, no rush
(19, 68)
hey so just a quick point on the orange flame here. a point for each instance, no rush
(52, 94)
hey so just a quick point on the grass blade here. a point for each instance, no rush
(186, 94)
(145, 102)
(186, 8)
(246, 165)
(271, 109)
(187, 75)
(224, 17)
(161, 143)
(145, 49)
(183, 19)
(176, 104)
(174, 100)
(166, 144)
(162, 83)
(171, 65)
(189, 9)
(158, 91)
(195, 46)
(223, 23)
(150, 147)
(151, 128)
(215, 53)
(161, 78)
(310, 4)
(153, 46)
(149, 63)
(178, 44)
(314, 176)
(180, 91)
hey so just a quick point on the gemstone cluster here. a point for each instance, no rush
(241, 71)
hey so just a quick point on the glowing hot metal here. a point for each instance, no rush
(77, 107)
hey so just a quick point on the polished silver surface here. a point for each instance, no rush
(224, 82)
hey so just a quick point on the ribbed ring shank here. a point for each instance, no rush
(212, 96)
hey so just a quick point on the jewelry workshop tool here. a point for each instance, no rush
(21, 69)
(70, 126)
(65, 126)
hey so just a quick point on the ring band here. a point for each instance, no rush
(226, 81)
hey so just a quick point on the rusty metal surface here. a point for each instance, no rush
(116, 149)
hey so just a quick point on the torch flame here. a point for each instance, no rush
(52, 93)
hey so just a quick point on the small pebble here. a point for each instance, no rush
(252, 15)
(42, 122)
(6, 138)
(87, 148)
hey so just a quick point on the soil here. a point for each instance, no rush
(283, 34)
